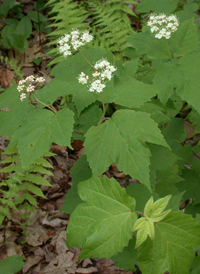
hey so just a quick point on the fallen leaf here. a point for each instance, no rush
(6, 76)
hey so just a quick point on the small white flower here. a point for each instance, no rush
(86, 37)
(97, 86)
(96, 74)
(40, 79)
(22, 96)
(163, 25)
(83, 79)
(30, 78)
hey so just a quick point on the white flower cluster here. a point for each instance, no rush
(163, 25)
(75, 39)
(103, 71)
(27, 85)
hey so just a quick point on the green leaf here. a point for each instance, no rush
(34, 189)
(191, 185)
(196, 265)
(177, 255)
(6, 6)
(37, 179)
(186, 81)
(145, 43)
(50, 127)
(141, 195)
(102, 224)
(127, 259)
(185, 39)
(163, 6)
(123, 144)
(80, 172)
(12, 119)
(90, 116)
(12, 265)
(68, 71)
(24, 27)
(131, 93)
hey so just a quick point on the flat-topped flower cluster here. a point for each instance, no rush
(28, 85)
(73, 40)
(104, 71)
(163, 25)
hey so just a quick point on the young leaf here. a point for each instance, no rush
(123, 143)
(102, 224)
(168, 252)
(50, 128)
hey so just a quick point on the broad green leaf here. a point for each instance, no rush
(123, 143)
(127, 259)
(131, 93)
(187, 12)
(68, 71)
(169, 252)
(185, 39)
(39, 131)
(159, 6)
(12, 119)
(162, 158)
(102, 224)
(186, 81)
(141, 195)
(192, 209)
(12, 265)
(24, 27)
(145, 43)
(90, 116)
(196, 265)
(6, 6)
(80, 172)
(191, 185)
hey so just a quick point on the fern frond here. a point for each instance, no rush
(66, 15)
(19, 188)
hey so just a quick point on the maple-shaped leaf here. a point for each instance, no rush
(13, 111)
(186, 82)
(182, 42)
(39, 130)
(131, 93)
(122, 140)
(185, 39)
(80, 172)
(164, 6)
(172, 249)
(67, 72)
(102, 224)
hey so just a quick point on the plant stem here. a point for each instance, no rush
(169, 51)
(140, 213)
(39, 23)
(49, 107)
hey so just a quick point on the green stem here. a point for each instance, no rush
(169, 51)
(49, 107)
